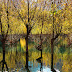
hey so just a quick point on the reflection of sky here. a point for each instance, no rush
(37, 68)
(45, 69)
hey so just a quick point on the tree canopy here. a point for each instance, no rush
(38, 13)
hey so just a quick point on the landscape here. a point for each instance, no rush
(35, 36)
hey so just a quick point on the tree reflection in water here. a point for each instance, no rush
(27, 66)
(3, 61)
(16, 60)
(39, 60)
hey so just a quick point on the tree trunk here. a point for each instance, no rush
(41, 66)
(27, 52)
(52, 47)
(27, 48)
(41, 53)
(41, 43)
(3, 46)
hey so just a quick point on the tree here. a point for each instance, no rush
(58, 25)
(27, 15)
(4, 35)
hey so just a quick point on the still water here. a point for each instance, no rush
(15, 58)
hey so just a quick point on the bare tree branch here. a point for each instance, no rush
(34, 13)
(18, 12)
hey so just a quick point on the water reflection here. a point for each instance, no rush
(39, 60)
(3, 62)
(27, 66)
(15, 58)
